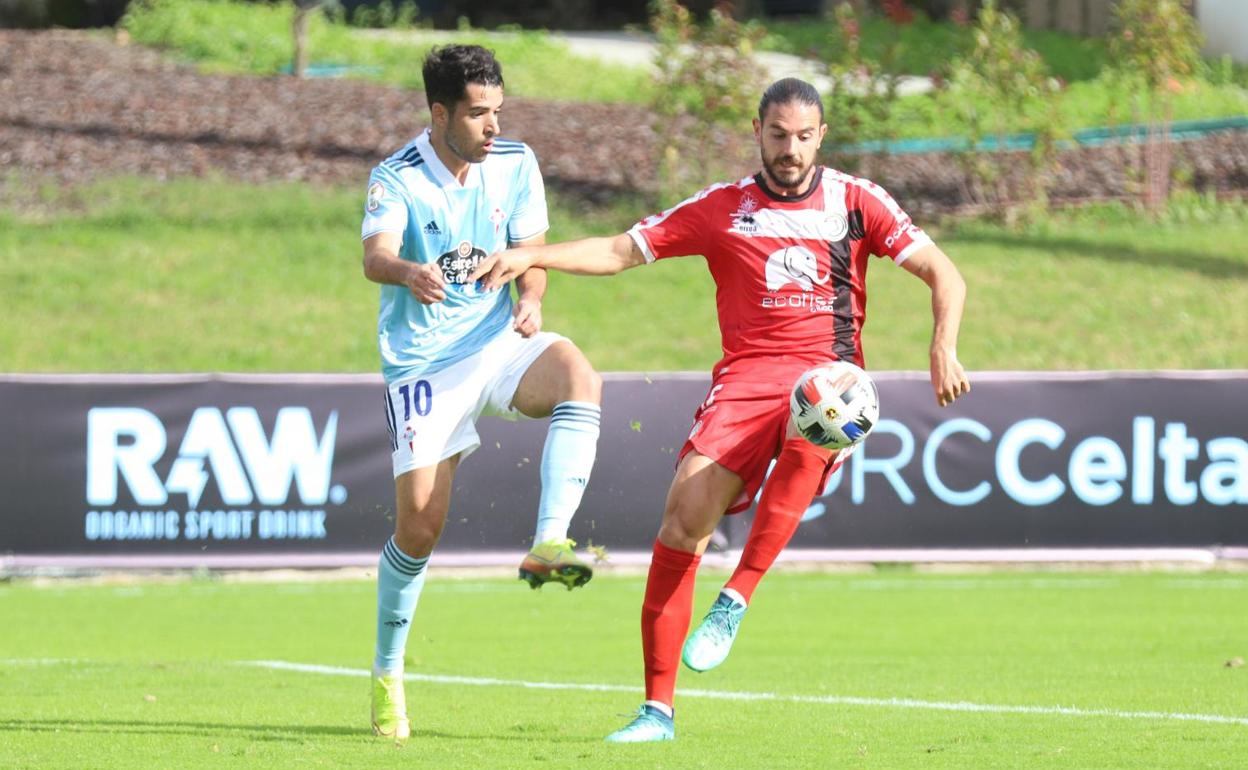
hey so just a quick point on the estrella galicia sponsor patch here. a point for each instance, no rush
(375, 193)
(459, 263)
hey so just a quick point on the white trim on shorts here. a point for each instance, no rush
(432, 416)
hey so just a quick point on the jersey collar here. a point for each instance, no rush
(760, 179)
(441, 173)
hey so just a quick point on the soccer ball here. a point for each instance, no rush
(835, 405)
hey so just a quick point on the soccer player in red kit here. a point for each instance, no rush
(788, 250)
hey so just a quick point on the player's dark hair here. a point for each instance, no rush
(450, 68)
(788, 90)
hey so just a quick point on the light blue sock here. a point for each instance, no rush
(567, 459)
(399, 580)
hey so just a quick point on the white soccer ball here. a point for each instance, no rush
(835, 405)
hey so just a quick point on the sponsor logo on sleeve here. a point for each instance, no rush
(375, 193)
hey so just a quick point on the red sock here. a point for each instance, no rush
(665, 617)
(793, 483)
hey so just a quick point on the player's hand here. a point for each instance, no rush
(501, 268)
(528, 317)
(948, 377)
(426, 283)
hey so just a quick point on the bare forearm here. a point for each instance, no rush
(948, 300)
(591, 256)
(380, 267)
(532, 284)
(930, 264)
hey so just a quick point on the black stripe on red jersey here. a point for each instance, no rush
(760, 179)
(857, 227)
(843, 346)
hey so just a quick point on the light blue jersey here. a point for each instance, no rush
(413, 193)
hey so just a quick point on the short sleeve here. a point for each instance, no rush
(385, 209)
(678, 232)
(529, 218)
(890, 231)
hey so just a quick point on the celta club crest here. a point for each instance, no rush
(497, 217)
(409, 436)
(459, 263)
(794, 264)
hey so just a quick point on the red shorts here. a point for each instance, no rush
(743, 422)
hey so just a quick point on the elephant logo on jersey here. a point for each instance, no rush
(459, 263)
(794, 264)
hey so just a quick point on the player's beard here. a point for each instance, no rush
(476, 154)
(787, 171)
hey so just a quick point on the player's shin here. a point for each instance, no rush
(665, 617)
(400, 579)
(793, 483)
(567, 459)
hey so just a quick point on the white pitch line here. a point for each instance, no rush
(835, 700)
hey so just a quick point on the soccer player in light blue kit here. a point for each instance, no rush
(452, 351)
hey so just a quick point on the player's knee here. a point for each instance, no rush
(583, 383)
(684, 528)
(416, 537)
(590, 385)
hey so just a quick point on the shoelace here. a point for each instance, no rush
(645, 718)
(724, 620)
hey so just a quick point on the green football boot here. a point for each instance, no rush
(390, 707)
(555, 561)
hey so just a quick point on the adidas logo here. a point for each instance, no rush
(432, 228)
(397, 623)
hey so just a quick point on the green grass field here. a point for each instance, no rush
(889, 670)
(192, 275)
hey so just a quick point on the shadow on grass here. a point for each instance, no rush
(1203, 263)
(292, 733)
(288, 733)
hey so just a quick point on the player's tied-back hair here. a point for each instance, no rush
(788, 90)
(450, 68)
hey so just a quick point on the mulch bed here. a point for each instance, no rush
(77, 107)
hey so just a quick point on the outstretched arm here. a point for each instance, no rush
(948, 298)
(589, 256)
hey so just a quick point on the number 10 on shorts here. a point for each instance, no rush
(417, 395)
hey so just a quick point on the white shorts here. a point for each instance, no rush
(432, 416)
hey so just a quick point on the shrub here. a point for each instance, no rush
(999, 87)
(862, 93)
(1155, 51)
(707, 86)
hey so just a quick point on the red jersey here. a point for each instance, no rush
(790, 273)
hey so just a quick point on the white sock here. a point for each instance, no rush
(567, 459)
(666, 709)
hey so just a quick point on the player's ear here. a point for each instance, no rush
(439, 114)
(758, 129)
